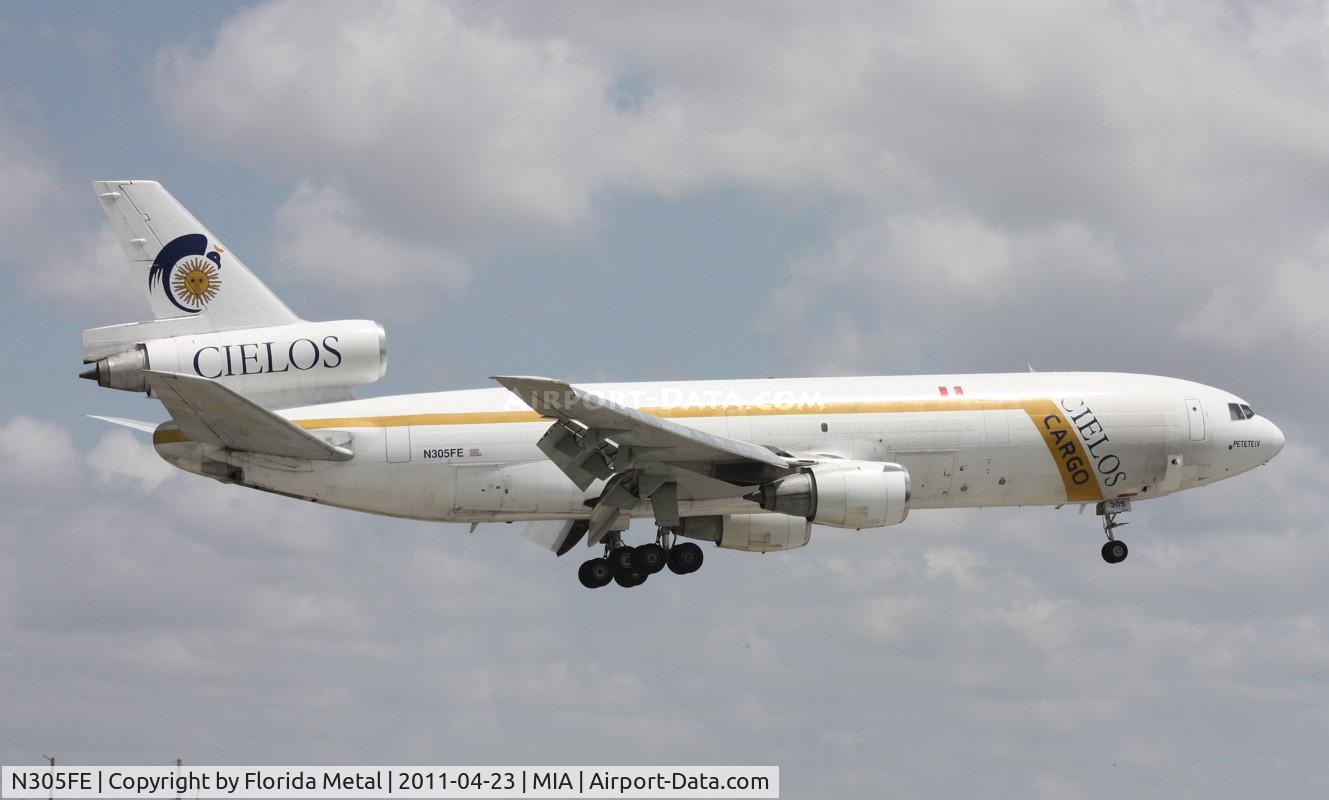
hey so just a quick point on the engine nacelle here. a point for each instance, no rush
(843, 494)
(755, 533)
(304, 357)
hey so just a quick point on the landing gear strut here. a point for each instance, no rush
(631, 566)
(1115, 550)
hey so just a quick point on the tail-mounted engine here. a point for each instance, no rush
(306, 361)
(843, 494)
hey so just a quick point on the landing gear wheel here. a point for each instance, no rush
(630, 580)
(1114, 552)
(685, 558)
(649, 558)
(620, 561)
(595, 573)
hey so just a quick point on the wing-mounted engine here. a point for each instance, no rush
(842, 494)
(296, 364)
(754, 533)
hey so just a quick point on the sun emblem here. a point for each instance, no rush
(196, 281)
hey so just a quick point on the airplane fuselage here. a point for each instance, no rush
(1015, 439)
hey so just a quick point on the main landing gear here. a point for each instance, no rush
(631, 566)
(1115, 550)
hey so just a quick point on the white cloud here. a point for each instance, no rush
(468, 125)
(525, 115)
(1267, 306)
(328, 243)
(87, 270)
(88, 274)
(36, 455)
(888, 296)
(124, 455)
(26, 175)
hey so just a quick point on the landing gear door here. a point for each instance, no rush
(1195, 413)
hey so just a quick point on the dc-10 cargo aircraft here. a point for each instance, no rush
(261, 398)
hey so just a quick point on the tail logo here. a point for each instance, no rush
(188, 271)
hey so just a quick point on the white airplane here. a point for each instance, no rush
(261, 398)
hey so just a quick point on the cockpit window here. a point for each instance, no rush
(1240, 411)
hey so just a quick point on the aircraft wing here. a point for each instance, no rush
(640, 457)
(210, 413)
(626, 438)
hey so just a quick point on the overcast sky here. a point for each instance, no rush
(617, 191)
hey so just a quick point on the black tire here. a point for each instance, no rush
(1115, 552)
(620, 561)
(630, 580)
(649, 558)
(595, 573)
(685, 558)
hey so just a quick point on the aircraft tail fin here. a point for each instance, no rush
(215, 320)
(181, 265)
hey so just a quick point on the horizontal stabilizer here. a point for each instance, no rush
(210, 413)
(138, 425)
(111, 339)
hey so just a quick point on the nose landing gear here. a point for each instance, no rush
(1115, 550)
(631, 566)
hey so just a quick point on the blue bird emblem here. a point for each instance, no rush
(189, 273)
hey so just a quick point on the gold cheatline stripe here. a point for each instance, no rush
(1038, 411)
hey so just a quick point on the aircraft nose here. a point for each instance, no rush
(1276, 439)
